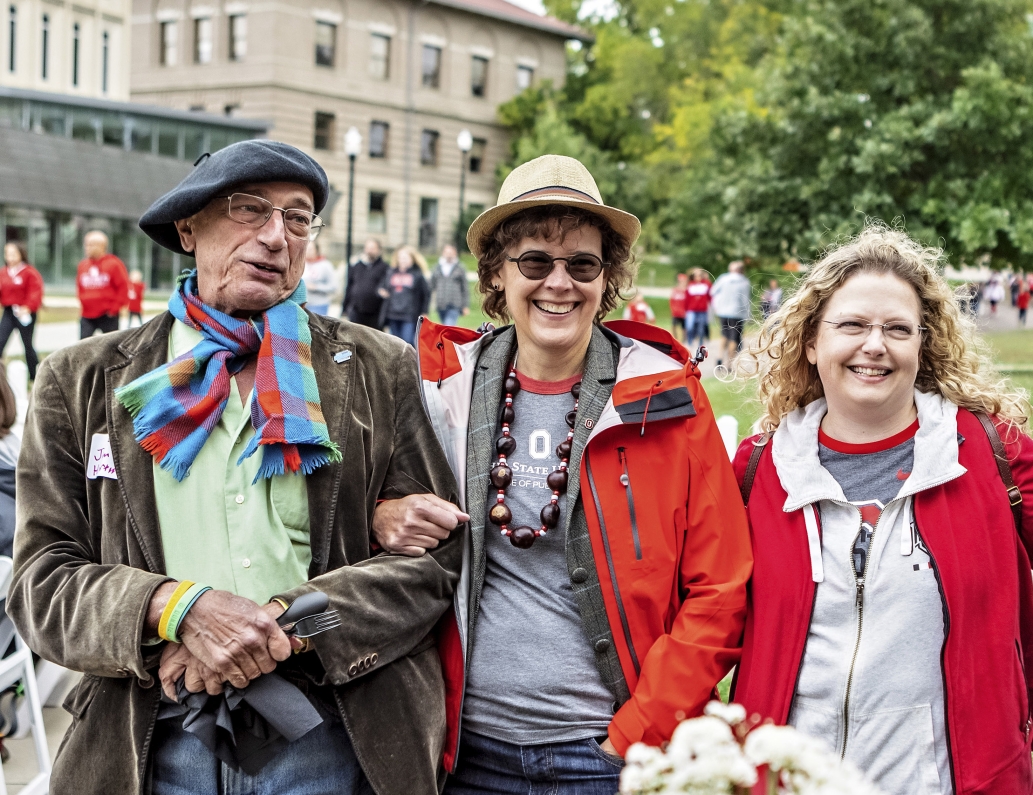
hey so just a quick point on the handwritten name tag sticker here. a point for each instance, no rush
(101, 464)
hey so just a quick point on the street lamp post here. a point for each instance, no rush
(352, 147)
(465, 142)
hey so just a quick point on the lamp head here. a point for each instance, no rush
(352, 142)
(465, 141)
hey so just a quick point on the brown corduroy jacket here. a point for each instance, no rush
(88, 557)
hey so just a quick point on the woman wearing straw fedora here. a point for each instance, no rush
(604, 583)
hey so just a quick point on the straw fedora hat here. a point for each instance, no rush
(549, 179)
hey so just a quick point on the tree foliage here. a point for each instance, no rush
(769, 128)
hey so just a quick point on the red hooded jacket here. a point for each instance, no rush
(25, 288)
(102, 285)
(983, 568)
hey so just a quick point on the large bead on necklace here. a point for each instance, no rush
(506, 445)
(522, 537)
(557, 480)
(500, 514)
(501, 476)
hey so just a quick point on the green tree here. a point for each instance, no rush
(917, 110)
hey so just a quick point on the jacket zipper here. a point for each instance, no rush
(609, 563)
(859, 585)
(626, 482)
(1029, 711)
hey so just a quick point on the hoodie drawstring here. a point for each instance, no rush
(642, 431)
(810, 519)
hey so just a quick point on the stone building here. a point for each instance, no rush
(409, 75)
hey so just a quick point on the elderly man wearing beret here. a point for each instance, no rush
(182, 483)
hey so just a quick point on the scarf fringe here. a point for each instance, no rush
(274, 462)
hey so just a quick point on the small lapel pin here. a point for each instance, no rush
(342, 356)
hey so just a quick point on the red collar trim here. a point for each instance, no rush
(868, 447)
(536, 387)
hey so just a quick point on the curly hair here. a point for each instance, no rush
(554, 222)
(953, 362)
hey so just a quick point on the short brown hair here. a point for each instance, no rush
(552, 221)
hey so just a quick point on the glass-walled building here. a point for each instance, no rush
(73, 164)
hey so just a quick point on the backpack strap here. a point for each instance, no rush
(751, 467)
(1003, 467)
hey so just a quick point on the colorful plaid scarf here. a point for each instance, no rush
(176, 406)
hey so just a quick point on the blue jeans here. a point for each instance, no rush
(449, 315)
(696, 328)
(320, 763)
(403, 329)
(579, 767)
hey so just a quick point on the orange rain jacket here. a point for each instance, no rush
(671, 548)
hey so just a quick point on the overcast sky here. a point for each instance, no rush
(591, 6)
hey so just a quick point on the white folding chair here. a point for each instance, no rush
(18, 668)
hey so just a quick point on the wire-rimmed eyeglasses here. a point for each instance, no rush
(899, 330)
(256, 211)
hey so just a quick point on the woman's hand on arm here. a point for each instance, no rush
(411, 525)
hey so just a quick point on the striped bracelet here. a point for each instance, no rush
(179, 603)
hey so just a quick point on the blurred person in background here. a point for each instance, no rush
(771, 300)
(362, 299)
(891, 605)
(21, 294)
(449, 288)
(405, 294)
(1022, 300)
(11, 426)
(639, 310)
(993, 292)
(319, 278)
(136, 291)
(697, 309)
(731, 297)
(679, 295)
(102, 284)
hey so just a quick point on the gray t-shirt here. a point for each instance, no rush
(532, 676)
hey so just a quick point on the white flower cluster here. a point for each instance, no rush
(705, 757)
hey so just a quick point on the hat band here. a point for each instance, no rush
(555, 190)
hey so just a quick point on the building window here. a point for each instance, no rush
(46, 46)
(379, 56)
(75, 54)
(478, 76)
(428, 223)
(524, 77)
(169, 43)
(104, 53)
(238, 37)
(326, 43)
(203, 40)
(376, 220)
(378, 139)
(429, 148)
(431, 66)
(12, 37)
(476, 162)
(324, 137)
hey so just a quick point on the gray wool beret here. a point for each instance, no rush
(247, 161)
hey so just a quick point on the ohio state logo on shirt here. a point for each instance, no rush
(94, 279)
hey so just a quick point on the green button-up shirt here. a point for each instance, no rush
(217, 528)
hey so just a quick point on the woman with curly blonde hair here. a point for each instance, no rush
(890, 501)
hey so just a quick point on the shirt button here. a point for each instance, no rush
(579, 575)
(246, 563)
(240, 499)
(602, 645)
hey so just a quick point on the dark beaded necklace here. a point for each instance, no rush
(501, 474)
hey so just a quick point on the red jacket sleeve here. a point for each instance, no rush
(705, 640)
(120, 283)
(1020, 456)
(33, 289)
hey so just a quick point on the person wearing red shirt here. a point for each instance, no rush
(638, 310)
(697, 302)
(679, 296)
(103, 287)
(21, 293)
(136, 290)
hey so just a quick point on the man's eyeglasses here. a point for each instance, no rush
(536, 265)
(899, 330)
(256, 211)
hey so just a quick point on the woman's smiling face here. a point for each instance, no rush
(556, 313)
(868, 374)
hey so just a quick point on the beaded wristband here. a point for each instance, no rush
(182, 600)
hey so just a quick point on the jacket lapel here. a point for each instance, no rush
(488, 381)
(335, 391)
(596, 386)
(144, 351)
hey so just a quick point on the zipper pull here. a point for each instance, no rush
(860, 593)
